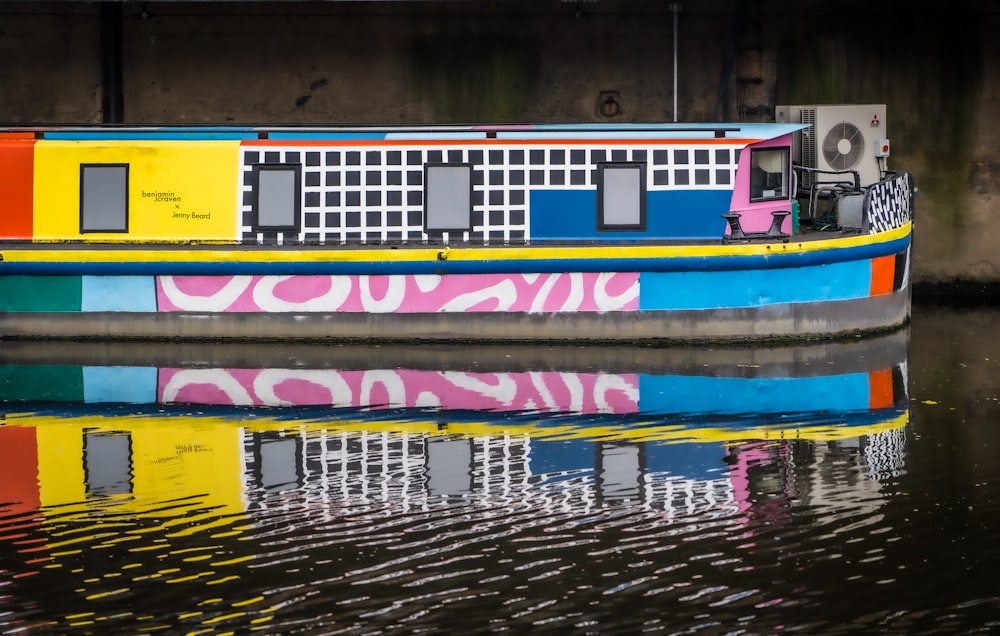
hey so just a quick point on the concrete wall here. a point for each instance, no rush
(547, 61)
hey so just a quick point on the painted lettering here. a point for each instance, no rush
(161, 196)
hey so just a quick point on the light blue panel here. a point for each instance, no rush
(118, 293)
(693, 395)
(132, 385)
(670, 214)
(320, 135)
(754, 288)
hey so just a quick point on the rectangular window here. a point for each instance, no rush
(104, 197)
(276, 461)
(621, 196)
(447, 197)
(277, 196)
(768, 174)
(107, 463)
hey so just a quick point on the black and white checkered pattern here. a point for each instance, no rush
(374, 194)
(889, 204)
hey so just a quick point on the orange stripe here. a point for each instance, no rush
(493, 142)
(880, 389)
(17, 158)
(883, 272)
(17, 136)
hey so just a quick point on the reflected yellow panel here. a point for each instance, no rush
(165, 459)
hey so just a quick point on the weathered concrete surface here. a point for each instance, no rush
(780, 323)
(550, 61)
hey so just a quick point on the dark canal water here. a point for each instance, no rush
(329, 490)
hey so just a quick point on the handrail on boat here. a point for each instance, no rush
(839, 184)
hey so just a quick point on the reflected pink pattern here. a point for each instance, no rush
(535, 391)
(402, 293)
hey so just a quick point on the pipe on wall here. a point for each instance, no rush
(113, 100)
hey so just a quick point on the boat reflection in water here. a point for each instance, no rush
(103, 444)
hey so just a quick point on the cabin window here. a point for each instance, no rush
(277, 202)
(447, 197)
(768, 174)
(621, 196)
(104, 197)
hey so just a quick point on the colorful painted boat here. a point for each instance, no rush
(521, 233)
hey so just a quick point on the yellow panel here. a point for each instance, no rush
(178, 190)
(172, 458)
(60, 462)
(190, 459)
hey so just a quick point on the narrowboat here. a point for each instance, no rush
(535, 233)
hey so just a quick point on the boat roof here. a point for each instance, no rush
(745, 132)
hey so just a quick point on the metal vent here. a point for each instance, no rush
(808, 144)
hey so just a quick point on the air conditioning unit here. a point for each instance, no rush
(841, 137)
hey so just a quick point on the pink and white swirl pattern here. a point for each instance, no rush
(402, 293)
(534, 391)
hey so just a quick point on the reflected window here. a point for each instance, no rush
(107, 463)
(769, 174)
(621, 196)
(620, 469)
(277, 465)
(448, 197)
(104, 197)
(277, 196)
(449, 466)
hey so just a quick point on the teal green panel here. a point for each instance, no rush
(40, 293)
(49, 383)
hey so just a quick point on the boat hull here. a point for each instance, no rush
(786, 321)
(807, 290)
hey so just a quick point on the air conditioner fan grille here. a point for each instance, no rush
(843, 146)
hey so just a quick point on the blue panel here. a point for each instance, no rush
(563, 214)
(687, 214)
(700, 394)
(548, 456)
(132, 385)
(118, 293)
(691, 460)
(571, 215)
(754, 288)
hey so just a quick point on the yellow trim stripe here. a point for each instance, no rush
(130, 253)
(640, 432)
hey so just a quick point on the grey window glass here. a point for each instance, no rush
(621, 197)
(449, 197)
(279, 467)
(449, 467)
(620, 476)
(107, 463)
(104, 198)
(769, 174)
(278, 197)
